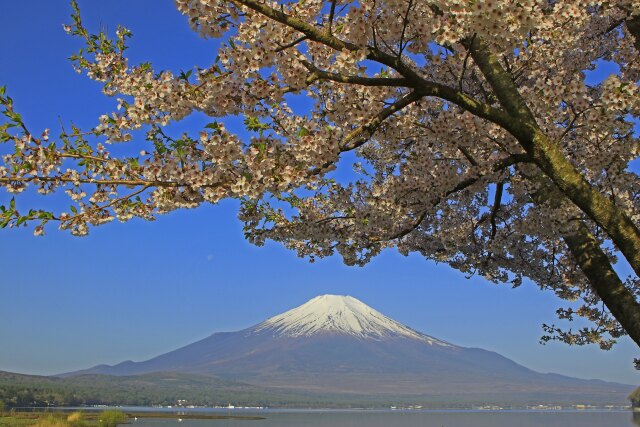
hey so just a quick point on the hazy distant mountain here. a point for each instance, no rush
(337, 344)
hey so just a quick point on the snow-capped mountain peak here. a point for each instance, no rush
(337, 314)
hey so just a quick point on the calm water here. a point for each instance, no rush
(410, 419)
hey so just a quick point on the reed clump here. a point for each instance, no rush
(108, 418)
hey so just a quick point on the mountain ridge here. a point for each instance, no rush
(341, 315)
(337, 344)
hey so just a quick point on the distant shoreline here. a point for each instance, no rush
(215, 412)
(152, 413)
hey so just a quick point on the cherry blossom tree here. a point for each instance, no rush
(478, 141)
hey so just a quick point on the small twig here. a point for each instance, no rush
(331, 15)
(464, 69)
(497, 200)
(292, 44)
(405, 23)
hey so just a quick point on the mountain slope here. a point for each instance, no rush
(342, 315)
(160, 388)
(336, 344)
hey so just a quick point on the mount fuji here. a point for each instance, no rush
(338, 344)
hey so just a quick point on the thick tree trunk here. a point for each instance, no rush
(633, 25)
(571, 184)
(595, 264)
(603, 279)
(552, 161)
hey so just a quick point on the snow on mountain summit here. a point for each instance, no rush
(343, 315)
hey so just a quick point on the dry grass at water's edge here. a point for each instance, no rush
(109, 418)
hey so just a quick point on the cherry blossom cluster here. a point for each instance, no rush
(417, 90)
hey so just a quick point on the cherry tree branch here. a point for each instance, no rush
(361, 135)
(552, 161)
(461, 185)
(107, 205)
(358, 80)
(633, 25)
(427, 88)
(125, 182)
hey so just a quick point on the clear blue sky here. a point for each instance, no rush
(134, 290)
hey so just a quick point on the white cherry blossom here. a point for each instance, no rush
(479, 141)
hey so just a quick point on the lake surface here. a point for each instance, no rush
(409, 419)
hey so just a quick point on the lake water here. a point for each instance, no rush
(409, 419)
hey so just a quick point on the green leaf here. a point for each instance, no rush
(45, 215)
(254, 124)
(185, 75)
(213, 126)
